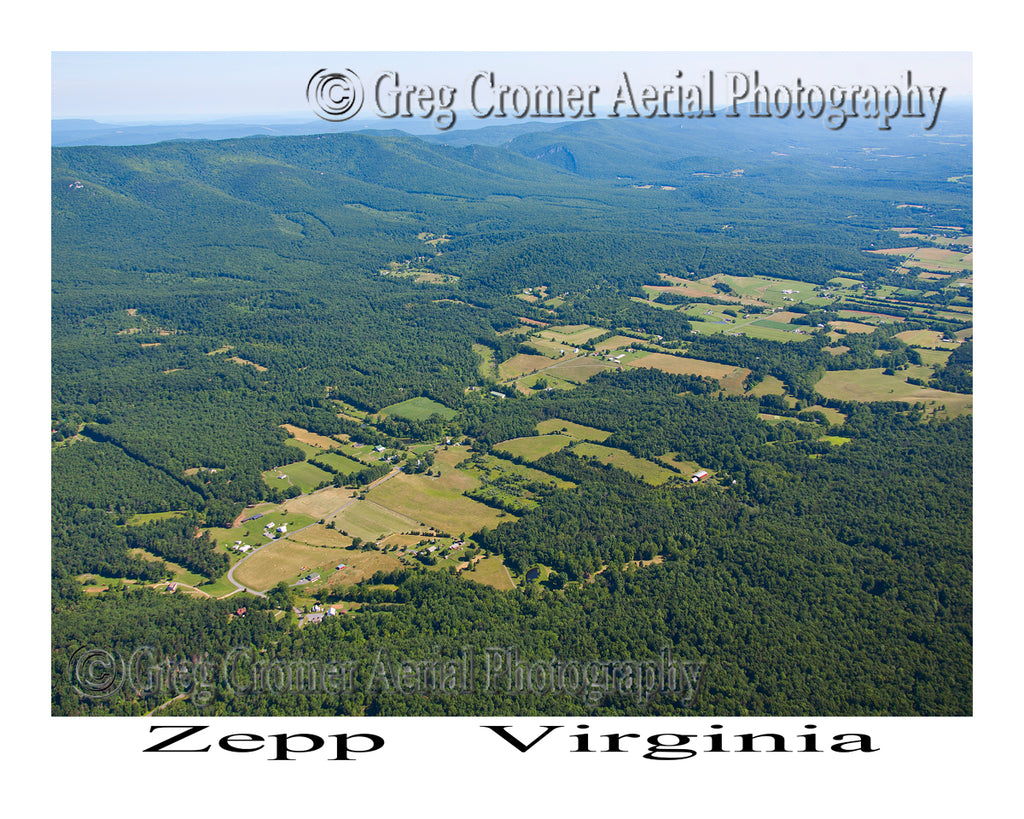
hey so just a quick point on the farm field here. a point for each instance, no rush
(577, 370)
(731, 377)
(319, 503)
(933, 358)
(301, 474)
(868, 316)
(551, 349)
(522, 364)
(769, 385)
(487, 367)
(571, 335)
(493, 467)
(344, 465)
(438, 501)
(419, 409)
(490, 571)
(287, 560)
(360, 565)
(572, 429)
(641, 468)
(618, 343)
(926, 338)
(306, 437)
(368, 520)
(874, 385)
(251, 532)
(938, 259)
(682, 465)
(533, 447)
(849, 327)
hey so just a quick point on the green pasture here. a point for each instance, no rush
(647, 471)
(873, 385)
(301, 474)
(344, 465)
(572, 429)
(419, 409)
(369, 521)
(148, 517)
(534, 447)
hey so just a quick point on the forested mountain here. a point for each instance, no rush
(205, 293)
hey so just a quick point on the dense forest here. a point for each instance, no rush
(207, 292)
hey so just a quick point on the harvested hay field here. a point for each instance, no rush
(731, 378)
(311, 438)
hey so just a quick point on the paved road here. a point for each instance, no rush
(231, 572)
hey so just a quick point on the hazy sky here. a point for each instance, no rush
(128, 86)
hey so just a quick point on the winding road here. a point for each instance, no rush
(231, 572)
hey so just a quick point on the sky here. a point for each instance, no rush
(147, 86)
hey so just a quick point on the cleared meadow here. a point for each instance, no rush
(301, 474)
(419, 409)
(730, 377)
(287, 560)
(438, 501)
(533, 447)
(874, 385)
(371, 521)
(572, 429)
(647, 471)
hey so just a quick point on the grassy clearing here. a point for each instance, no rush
(534, 447)
(360, 565)
(618, 343)
(221, 587)
(578, 370)
(368, 520)
(926, 338)
(933, 358)
(874, 385)
(148, 517)
(419, 409)
(251, 532)
(286, 560)
(675, 460)
(179, 574)
(487, 367)
(647, 471)
(769, 418)
(321, 503)
(574, 430)
(490, 468)
(240, 361)
(731, 378)
(522, 364)
(438, 501)
(769, 385)
(301, 474)
(849, 327)
(835, 417)
(490, 571)
(311, 438)
(346, 466)
(572, 334)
